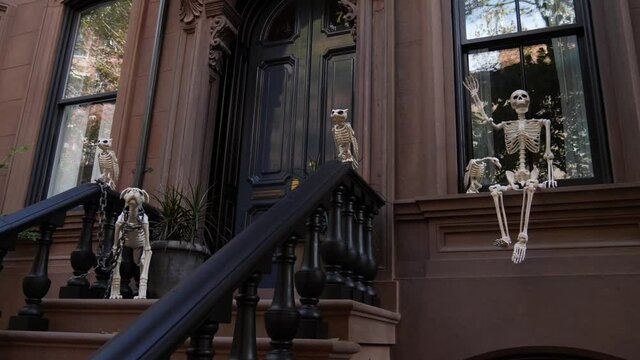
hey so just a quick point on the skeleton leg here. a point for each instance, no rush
(115, 276)
(115, 282)
(520, 249)
(504, 240)
(145, 260)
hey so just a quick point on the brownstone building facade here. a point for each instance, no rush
(239, 98)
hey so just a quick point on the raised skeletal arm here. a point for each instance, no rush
(472, 84)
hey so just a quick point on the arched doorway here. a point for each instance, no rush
(295, 62)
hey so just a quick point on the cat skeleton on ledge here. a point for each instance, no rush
(520, 136)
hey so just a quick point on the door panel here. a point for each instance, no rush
(298, 70)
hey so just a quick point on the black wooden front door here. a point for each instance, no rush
(301, 65)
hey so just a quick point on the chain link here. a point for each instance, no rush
(101, 220)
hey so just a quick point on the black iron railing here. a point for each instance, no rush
(48, 215)
(334, 201)
(167, 324)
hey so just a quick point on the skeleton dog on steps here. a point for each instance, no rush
(521, 136)
(132, 230)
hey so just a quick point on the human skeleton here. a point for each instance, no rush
(132, 231)
(344, 137)
(108, 163)
(520, 136)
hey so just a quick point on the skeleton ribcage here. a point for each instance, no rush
(522, 134)
(476, 170)
(342, 135)
(105, 161)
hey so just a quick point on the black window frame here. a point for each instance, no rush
(583, 30)
(45, 150)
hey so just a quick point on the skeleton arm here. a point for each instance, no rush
(548, 155)
(471, 83)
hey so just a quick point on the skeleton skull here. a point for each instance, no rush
(520, 101)
(339, 116)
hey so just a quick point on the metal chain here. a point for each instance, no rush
(101, 220)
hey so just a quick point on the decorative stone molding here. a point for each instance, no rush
(224, 24)
(351, 16)
(223, 33)
(190, 11)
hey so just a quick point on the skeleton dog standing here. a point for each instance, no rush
(132, 231)
(521, 136)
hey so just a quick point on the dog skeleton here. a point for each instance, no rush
(108, 163)
(475, 173)
(520, 136)
(132, 231)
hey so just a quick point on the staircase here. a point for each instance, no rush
(79, 327)
(343, 325)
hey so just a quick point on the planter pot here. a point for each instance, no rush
(171, 262)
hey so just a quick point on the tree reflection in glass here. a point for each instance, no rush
(553, 77)
(536, 14)
(489, 18)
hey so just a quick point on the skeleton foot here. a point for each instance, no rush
(115, 289)
(520, 249)
(502, 242)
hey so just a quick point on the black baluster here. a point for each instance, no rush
(3, 253)
(36, 284)
(82, 258)
(105, 256)
(371, 268)
(201, 343)
(332, 250)
(350, 255)
(282, 318)
(244, 335)
(310, 282)
(359, 268)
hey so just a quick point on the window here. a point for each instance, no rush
(82, 101)
(545, 48)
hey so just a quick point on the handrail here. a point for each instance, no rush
(43, 210)
(168, 322)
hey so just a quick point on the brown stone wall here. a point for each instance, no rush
(461, 297)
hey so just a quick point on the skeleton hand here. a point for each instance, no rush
(520, 249)
(471, 83)
(550, 184)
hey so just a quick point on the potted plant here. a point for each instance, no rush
(179, 232)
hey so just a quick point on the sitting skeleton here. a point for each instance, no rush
(132, 231)
(521, 136)
(108, 163)
(344, 137)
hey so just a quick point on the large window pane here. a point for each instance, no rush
(82, 126)
(489, 18)
(554, 81)
(98, 50)
(554, 78)
(536, 14)
(499, 73)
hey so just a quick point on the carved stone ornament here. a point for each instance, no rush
(351, 16)
(190, 10)
(223, 33)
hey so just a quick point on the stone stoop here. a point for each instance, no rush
(356, 331)
(53, 345)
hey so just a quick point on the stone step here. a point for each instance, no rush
(54, 345)
(348, 320)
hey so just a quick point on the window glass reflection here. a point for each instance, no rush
(554, 80)
(537, 14)
(336, 16)
(489, 18)
(82, 126)
(98, 50)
